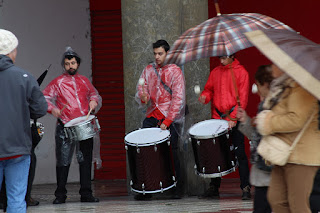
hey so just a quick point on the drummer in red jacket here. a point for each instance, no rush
(221, 91)
(163, 87)
(70, 96)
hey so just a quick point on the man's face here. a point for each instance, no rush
(225, 60)
(159, 55)
(71, 66)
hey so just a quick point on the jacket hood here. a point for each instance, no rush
(5, 62)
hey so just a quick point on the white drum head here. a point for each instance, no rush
(147, 136)
(209, 128)
(79, 120)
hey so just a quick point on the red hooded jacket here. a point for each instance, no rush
(220, 90)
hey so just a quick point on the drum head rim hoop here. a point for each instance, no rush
(82, 120)
(222, 123)
(155, 191)
(215, 175)
(164, 133)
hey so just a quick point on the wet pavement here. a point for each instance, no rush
(114, 197)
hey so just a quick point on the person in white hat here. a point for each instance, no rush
(21, 99)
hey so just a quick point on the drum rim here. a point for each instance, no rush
(154, 191)
(146, 144)
(214, 175)
(207, 136)
(66, 125)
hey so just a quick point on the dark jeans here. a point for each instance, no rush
(315, 195)
(86, 147)
(261, 204)
(174, 127)
(237, 139)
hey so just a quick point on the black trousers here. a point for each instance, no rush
(174, 128)
(86, 147)
(261, 204)
(237, 139)
(32, 172)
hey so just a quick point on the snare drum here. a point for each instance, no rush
(81, 128)
(150, 160)
(213, 151)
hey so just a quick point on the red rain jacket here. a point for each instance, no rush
(74, 92)
(170, 106)
(219, 89)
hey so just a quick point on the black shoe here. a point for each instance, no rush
(32, 202)
(211, 193)
(143, 197)
(246, 195)
(89, 199)
(59, 200)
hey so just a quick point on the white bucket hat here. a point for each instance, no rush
(8, 42)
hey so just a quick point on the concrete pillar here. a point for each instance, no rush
(144, 22)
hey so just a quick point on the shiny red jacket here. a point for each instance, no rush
(72, 93)
(171, 106)
(220, 90)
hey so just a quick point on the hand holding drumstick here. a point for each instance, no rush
(57, 112)
(92, 106)
(144, 96)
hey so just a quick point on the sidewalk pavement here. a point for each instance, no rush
(114, 197)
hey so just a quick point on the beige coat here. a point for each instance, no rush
(287, 118)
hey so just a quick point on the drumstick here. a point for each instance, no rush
(141, 83)
(197, 89)
(64, 107)
(88, 114)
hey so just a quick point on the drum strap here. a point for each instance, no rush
(164, 85)
(226, 114)
(61, 123)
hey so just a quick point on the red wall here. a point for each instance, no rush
(105, 5)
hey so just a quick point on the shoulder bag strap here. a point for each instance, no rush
(302, 131)
(164, 85)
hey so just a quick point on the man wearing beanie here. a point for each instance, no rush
(21, 99)
(70, 96)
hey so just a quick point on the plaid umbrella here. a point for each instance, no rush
(294, 54)
(219, 36)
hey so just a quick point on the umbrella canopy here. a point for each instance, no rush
(294, 54)
(219, 36)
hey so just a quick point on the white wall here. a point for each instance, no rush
(44, 28)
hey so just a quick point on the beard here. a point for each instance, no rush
(72, 71)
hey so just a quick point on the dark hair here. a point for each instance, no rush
(229, 56)
(69, 57)
(161, 43)
(69, 54)
(264, 74)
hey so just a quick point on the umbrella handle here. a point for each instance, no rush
(216, 4)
